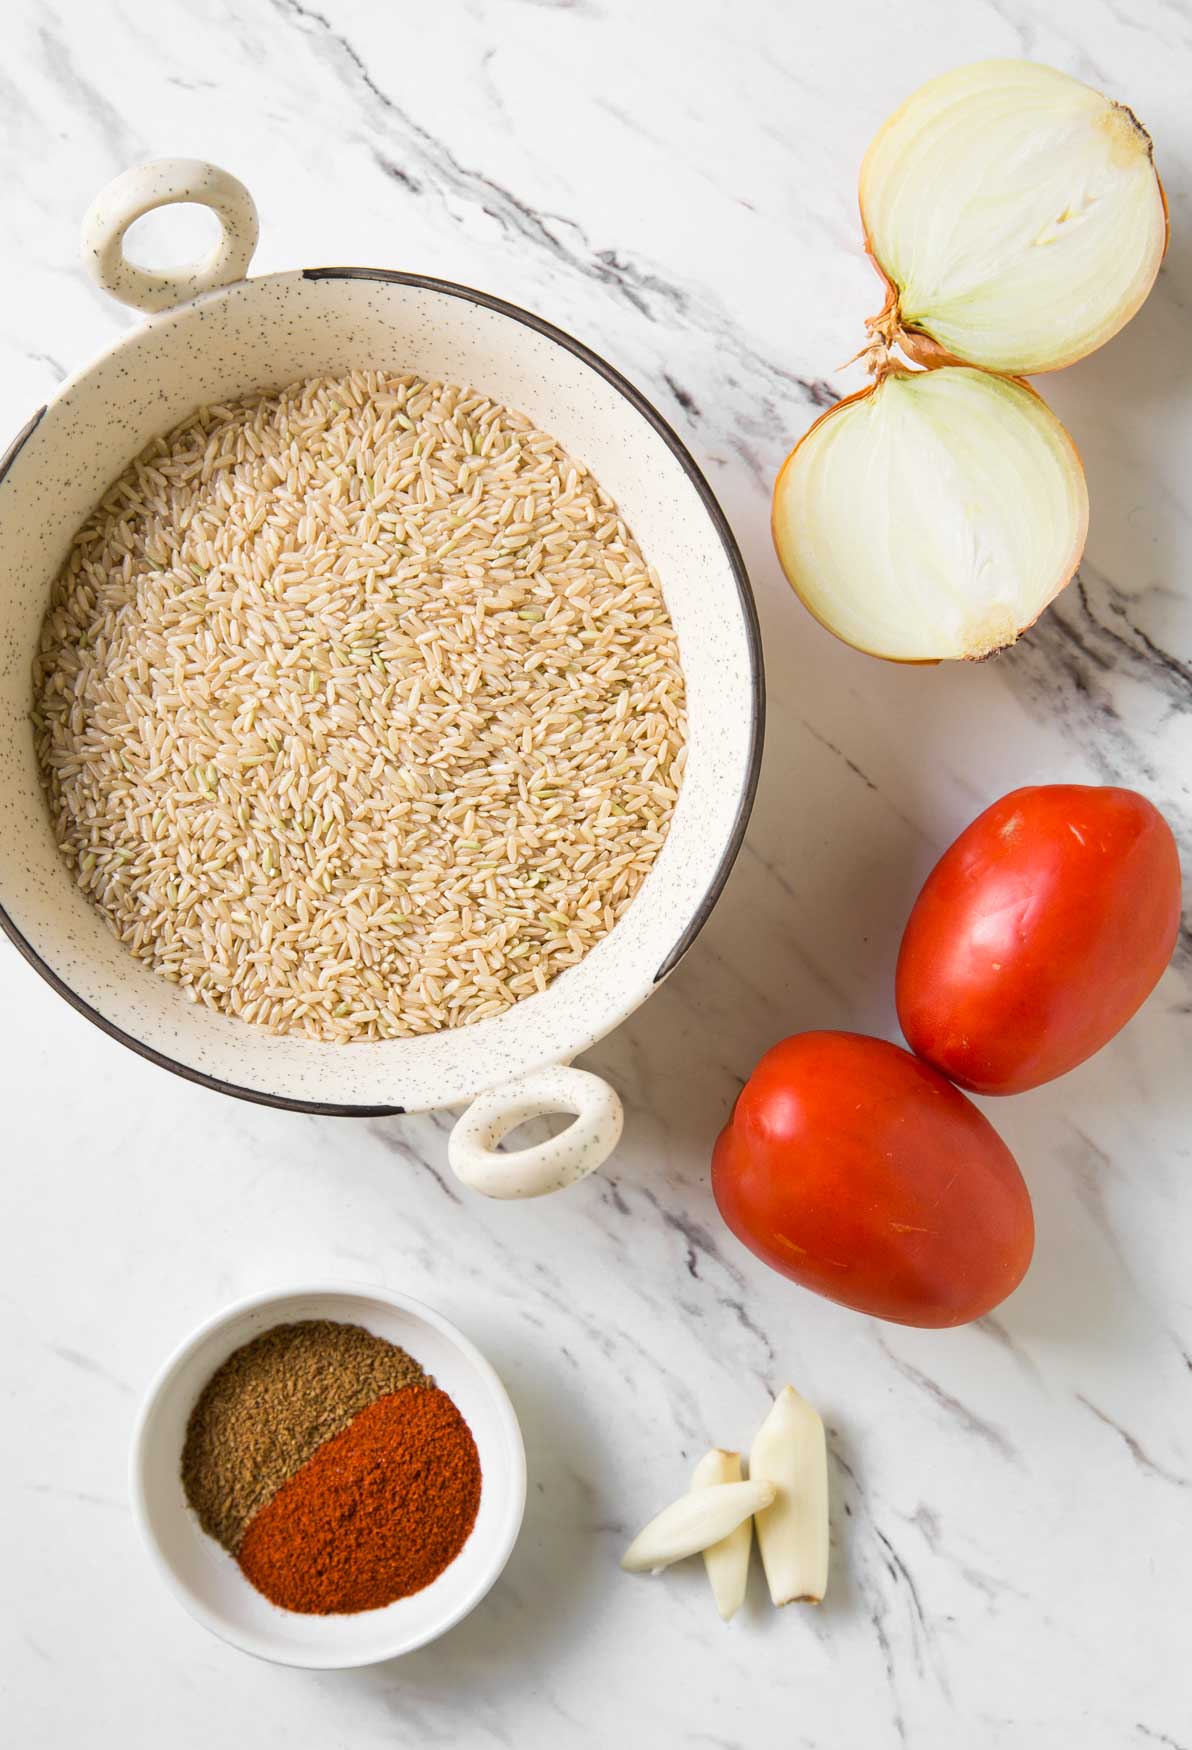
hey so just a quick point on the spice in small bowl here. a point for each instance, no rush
(329, 1476)
(335, 1471)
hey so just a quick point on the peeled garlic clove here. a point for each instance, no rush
(692, 1523)
(1016, 215)
(790, 1452)
(933, 515)
(727, 1562)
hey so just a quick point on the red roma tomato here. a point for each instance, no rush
(859, 1171)
(1038, 934)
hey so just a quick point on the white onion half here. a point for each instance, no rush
(933, 515)
(1016, 214)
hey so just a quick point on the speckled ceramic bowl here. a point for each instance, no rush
(214, 335)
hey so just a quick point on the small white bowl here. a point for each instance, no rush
(208, 1582)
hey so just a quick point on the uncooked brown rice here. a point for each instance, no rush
(358, 709)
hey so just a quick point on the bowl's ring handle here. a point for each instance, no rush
(548, 1166)
(164, 183)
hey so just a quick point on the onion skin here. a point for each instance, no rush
(886, 369)
(1038, 934)
(918, 346)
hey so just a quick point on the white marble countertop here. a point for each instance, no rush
(673, 182)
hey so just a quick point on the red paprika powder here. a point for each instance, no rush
(375, 1514)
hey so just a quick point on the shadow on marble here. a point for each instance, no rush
(1084, 1288)
(843, 1597)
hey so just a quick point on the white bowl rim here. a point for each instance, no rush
(363, 1291)
(749, 618)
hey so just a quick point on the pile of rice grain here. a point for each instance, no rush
(358, 710)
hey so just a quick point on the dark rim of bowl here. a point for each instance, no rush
(716, 516)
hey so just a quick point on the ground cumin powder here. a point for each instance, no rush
(269, 1408)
